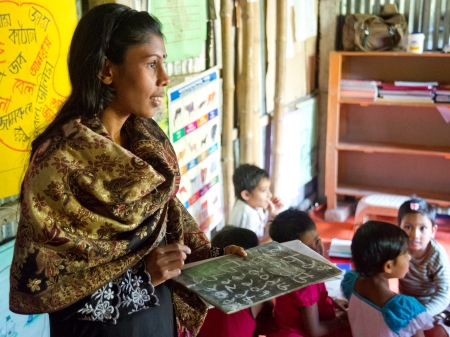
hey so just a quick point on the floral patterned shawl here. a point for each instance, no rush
(92, 209)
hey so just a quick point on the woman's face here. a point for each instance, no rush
(139, 82)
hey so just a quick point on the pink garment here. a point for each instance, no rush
(287, 314)
(218, 324)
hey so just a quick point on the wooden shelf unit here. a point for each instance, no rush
(378, 147)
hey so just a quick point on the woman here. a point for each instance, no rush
(101, 232)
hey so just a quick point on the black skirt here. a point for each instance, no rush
(156, 321)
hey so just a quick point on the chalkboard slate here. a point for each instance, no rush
(232, 283)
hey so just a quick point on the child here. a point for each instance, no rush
(242, 323)
(380, 253)
(308, 311)
(428, 278)
(252, 189)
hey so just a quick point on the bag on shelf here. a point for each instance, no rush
(368, 32)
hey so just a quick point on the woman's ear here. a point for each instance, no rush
(106, 74)
(245, 195)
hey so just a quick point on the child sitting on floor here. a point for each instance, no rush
(379, 253)
(308, 311)
(428, 278)
(243, 323)
(253, 199)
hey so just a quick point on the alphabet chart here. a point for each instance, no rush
(34, 41)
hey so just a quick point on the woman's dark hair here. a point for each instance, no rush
(246, 177)
(290, 225)
(106, 31)
(417, 205)
(375, 243)
(231, 235)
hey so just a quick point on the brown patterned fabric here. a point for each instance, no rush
(92, 209)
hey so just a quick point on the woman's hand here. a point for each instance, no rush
(165, 262)
(232, 249)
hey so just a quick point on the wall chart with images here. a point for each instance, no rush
(194, 130)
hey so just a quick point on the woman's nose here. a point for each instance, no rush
(163, 79)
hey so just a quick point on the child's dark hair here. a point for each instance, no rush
(375, 243)
(231, 235)
(417, 205)
(290, 225)
(246, 177)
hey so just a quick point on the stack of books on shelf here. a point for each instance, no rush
(359, 89)
(340, 248)
(442, 94)
(407, 92)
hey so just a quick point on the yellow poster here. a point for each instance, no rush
(34, 42)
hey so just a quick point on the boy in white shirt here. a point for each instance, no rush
(254, 205)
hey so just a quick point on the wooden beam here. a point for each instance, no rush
(226, 17)
(245, 115)
(280, 83)
(256, 108)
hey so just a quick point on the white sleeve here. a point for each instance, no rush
(245, 218)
